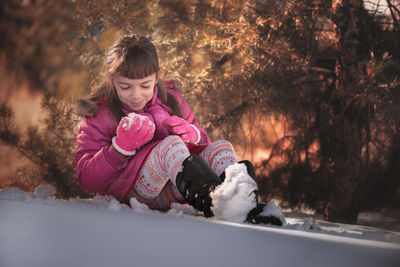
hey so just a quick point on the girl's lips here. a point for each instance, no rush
(135, 103)
(136, 106)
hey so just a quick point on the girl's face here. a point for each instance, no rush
(135, 93)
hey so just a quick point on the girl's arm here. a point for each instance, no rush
(97, 162)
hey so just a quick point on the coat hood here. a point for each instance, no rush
(86, 108)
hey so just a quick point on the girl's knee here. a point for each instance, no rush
(172, 139)
(172, 145)
(218, 149)
(222, 142)
(221, 145)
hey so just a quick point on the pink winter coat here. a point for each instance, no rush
(101, 169)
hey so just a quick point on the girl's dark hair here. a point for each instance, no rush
(133, 57)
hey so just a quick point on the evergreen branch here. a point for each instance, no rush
(392, 8)
(234, 113)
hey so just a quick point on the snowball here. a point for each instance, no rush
(137, 206)
(13, 193)
(103, 200)
(310, 224)
(115, 205)
(108, 202)
(44, 191)
(272, 209)
(235, 197)
(182, 208)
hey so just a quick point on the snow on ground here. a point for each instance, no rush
(38, 230)
(234, 198)
(272, 209)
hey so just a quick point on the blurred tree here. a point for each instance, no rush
(50, 147)
(33, 40)
(324, 67)
(349, 116)
(338, 107)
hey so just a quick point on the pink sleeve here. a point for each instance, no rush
(189, 117)
(98, 163)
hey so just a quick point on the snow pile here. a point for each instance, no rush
(139, 207)
(178, 210)
(42, 196)
(36, 232)
(309, 224)
(235, 197)
(13, 193)
(272, 209)
(44, 191)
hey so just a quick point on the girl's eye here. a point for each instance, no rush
(125, 88)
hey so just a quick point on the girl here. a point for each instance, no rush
(139, 138)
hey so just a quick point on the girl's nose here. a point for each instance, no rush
(135, 93)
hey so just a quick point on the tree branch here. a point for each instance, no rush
(391, 8)
(237, 111)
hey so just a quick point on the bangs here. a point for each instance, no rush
(138, 64)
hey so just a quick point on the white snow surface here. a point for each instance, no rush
(38, 230)
(234, 198)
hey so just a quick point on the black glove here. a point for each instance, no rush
(255, 218)
(195, 183)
